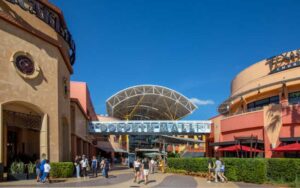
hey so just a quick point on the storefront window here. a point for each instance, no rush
(294, 98)
(263, 102)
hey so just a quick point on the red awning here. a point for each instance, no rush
(288, 148)
(237, 148)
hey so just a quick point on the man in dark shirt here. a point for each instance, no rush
(146, 169)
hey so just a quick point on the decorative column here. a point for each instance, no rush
(44, 137)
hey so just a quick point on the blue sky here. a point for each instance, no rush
(195, 47)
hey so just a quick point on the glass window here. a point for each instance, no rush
(294, 98)
(263, 102)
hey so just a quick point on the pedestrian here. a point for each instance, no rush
(102, 164)
(152, 165)
(136, 167)
(106, 168)
(84, 164)
(94, 166)
(43, 162)
(46, 173)
(77, 166)
(218, 169)
(211, 169)
(38, 170)
(222, 171)
(146, 165)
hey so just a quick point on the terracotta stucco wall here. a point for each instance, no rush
(80, 123)
(243, 121)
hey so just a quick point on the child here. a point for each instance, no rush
(211, 169)
(222, 171)
(47, 169)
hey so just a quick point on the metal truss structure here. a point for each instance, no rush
(149, 102)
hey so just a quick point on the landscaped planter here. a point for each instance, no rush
(17, 176)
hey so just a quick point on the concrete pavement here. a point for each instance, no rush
(124, 178)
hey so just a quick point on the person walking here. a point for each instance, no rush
(43, 162)
(106, 168)
(46, 172)
(136, 166)
(211, 169)
(146, 165)
(152, 166)
(222, 171)
(94, 166)
(77, 166)
(217, 170)
(38, 170)
(102, 164)
(84, 164)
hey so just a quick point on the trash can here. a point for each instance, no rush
(1, 172)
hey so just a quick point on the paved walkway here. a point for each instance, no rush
(124, 178)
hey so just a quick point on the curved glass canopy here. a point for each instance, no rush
(149, 102)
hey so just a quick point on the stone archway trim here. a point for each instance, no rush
(1, 136)
(44, 137)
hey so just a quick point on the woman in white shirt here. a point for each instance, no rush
(137, 168)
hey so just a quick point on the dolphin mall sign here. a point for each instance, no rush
(150, 127)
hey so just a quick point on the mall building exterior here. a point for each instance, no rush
(37, 112)
(263, 108)
(43, 112)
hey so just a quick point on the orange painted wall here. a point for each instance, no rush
(255, 132)
(290, 130)
(80, 91)
(291, 114)
(243, 121)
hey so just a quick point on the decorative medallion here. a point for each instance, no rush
(24, 65)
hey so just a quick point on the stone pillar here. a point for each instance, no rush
(44, 137)
(1, 136)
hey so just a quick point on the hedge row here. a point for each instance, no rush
(61, 169)
(245, 169)
(283, 170)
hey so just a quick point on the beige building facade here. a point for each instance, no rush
(35, 74)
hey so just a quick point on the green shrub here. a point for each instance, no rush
(283, 169)
(61, 169)
(247, 170)
(188, 164)
(31, 168)
(177, 171)
(17, 168)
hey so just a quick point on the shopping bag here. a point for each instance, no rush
(142, 175)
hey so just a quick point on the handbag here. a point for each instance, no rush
(142, 175)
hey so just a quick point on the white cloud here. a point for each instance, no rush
(201, 102)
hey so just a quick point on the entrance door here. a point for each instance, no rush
(11, 146)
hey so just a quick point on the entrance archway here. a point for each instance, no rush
(23, 131)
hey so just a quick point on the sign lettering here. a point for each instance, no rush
(150, 127)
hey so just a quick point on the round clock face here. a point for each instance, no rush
(25, 65)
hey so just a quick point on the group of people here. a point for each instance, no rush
(42, 168)
(142, 168)
(83, 165)
(216, 170)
